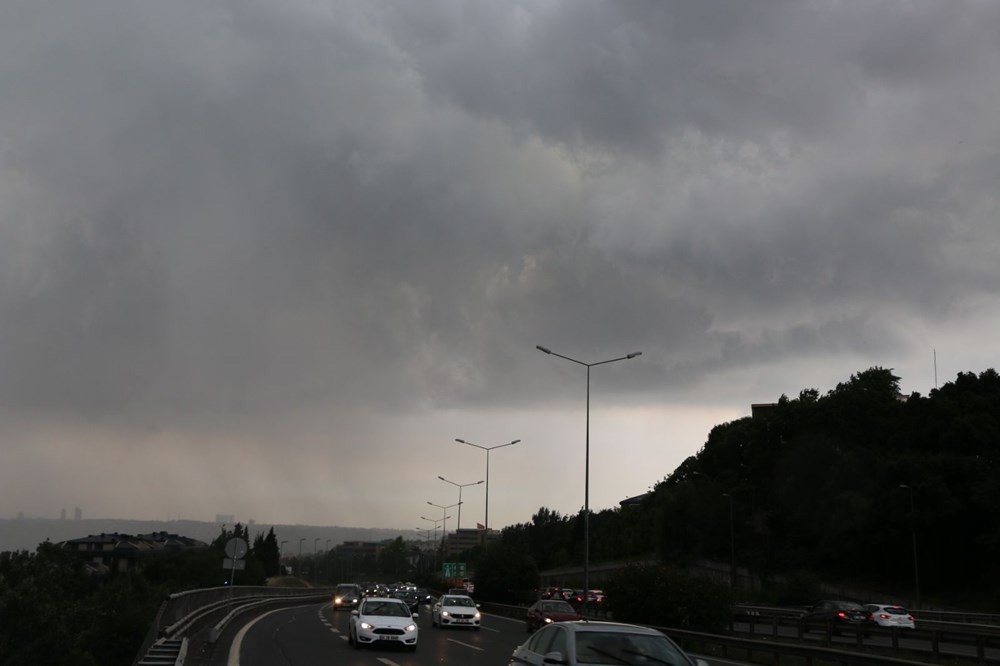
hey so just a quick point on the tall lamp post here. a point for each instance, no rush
(459, 486)
(444, 518)
(486, 519)
(732, 544)
(586, 473)
(435, 525)
(913, 533)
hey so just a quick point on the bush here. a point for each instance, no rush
(669, 597)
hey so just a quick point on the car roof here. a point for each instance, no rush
(610, 627)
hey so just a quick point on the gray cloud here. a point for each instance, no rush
(220, 219)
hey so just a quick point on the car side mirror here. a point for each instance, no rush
(355, 612)
(556, 658)
(701, 662)
(416, 613)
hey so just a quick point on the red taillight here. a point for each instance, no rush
(911, 618)
(842, 614)
(884, 616)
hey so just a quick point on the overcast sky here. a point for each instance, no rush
(271, 258)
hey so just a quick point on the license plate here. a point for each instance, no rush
(388, 638)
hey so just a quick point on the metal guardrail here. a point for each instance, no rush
(939, 635)
(771, 650)
(184, 610)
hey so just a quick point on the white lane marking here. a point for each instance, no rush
(234, 649)
(452, 640)
(387, 662)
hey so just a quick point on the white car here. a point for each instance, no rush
(455, 610)
(891, 615)
(384, 621)
(584, 642)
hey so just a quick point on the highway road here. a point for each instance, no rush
(316, 634)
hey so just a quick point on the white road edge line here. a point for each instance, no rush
(387, 662)
(234, 649)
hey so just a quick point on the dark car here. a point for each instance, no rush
(547, 611)
(347, 595)
(835, 615)
(411, 599)
(424, 596)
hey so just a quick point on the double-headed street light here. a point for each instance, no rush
(432, 520)
(444, 518)
(486, 520)
(586, 473)
(459, 486)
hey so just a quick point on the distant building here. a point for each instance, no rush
(467, 538)
(225, 518)
(77, 513)
(123, 552)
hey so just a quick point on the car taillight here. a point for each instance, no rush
(884, 616)
(842, 614)
(911, 618)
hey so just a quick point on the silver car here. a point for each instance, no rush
(577, 643)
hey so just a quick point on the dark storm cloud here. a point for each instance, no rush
(231, 207)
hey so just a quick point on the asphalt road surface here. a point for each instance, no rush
(316, 634)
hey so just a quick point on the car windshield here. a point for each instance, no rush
(557, 607)
(594, 647)
(345, 589)
(389, 608)
(459, 601)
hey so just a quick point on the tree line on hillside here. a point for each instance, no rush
(54, 610)
(849, 488)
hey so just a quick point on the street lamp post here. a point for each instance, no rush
(435, 525)
(459, 486)
(732, 544)
(913, 533)
(486, 519)
(300, 546)
(444, 518)
(586, 472)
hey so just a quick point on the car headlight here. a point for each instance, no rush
(338, 600)
(548, 620)
(410, 628)
(444, 613)
(477, 616)
(365, 626)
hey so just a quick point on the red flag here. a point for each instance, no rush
(480, 526)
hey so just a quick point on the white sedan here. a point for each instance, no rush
(455, 610)
(891, 615)
(382, 620)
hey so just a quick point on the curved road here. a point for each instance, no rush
(316, 634)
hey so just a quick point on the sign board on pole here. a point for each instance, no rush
(237, 565)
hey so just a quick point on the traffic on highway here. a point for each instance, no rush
(312, 634)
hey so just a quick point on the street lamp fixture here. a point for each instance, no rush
(486, 520)
(435, 521)
(300, 546)
(444, 519)
(586, 472)
(459, 486)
